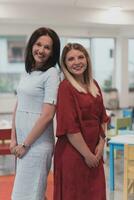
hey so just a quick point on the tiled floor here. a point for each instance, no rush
(7, 166)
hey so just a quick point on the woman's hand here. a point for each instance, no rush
(100, 148)
(91, 160)
(20, 151)
(13, 144)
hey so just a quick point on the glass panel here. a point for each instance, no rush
(9, 82)
(16, 51)
(83, 41)
(131, 63)
(63, 42)
(102, 50)
(11, 62)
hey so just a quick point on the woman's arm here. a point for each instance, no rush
(41, 124)
(78, 142)
(100, 147)
(104, 127)
(13, 131)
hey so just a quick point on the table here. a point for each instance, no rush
(117, 142)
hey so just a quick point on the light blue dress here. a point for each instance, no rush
(32, 170)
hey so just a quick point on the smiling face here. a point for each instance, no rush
(76, 62)
(42, 50)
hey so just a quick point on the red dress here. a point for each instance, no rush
(78, 112)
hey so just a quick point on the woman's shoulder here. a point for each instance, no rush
(65, 90)
(52, 70)
(51, 73)
(96, 83)
(64, 84)
(24, 75)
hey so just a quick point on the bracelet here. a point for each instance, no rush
(25, 146)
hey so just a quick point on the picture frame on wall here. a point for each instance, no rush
(16, 51)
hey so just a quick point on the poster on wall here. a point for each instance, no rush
(16, 51)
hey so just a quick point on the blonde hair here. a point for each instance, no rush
(92, 88)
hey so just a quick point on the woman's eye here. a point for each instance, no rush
(81, 57)
(70, 59)
(47, 47)
(38, 44)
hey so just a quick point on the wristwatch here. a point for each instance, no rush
(25, 146)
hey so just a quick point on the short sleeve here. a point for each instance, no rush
(51, 85)
(66, 114)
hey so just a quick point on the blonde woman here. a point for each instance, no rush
(81, 124)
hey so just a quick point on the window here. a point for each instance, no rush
(16, 51)
(84, 41)
(131, 64)
(11, 62)
(102, 50)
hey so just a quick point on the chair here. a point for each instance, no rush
(124, 123)
(5, 137)
(121, 124)
(127, 112)
(128, 187)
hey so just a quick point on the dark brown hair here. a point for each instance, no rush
(53, 60)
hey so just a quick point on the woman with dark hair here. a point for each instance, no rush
(81, 126)
(32, 138)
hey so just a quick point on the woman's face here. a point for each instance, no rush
(76, 62)
(42, 50)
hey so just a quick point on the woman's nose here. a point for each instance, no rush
(76, 61)
(41, 49)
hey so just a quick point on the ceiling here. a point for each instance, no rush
(99, 4)
(67, 12)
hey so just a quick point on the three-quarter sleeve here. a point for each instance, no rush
(104, 117)
(51, 86)
(67, 117)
